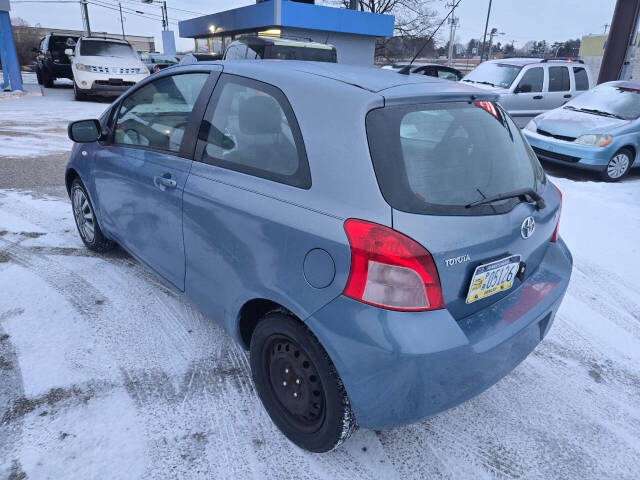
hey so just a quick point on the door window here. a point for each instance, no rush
(559, 79)
(251, 128)
(447, 75)
(582, 80)
(532, 80)
(156, 115)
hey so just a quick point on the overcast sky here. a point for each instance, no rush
(520, 20)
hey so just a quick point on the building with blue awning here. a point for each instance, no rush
(352, 32)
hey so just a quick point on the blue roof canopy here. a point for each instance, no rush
(290, 14)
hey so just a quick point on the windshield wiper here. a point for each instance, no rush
(601, 112)
(526, 194)
(486, 83)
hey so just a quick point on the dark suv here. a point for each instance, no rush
(51, 62)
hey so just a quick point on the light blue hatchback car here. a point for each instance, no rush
(599, 130)
(385, 245)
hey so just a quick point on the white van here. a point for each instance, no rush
(104, 67)
(531, 86)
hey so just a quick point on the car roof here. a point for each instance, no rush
(103, 39)
(521, 62)
(623, 84)
(375, 80)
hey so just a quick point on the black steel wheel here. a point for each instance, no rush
(298, 384)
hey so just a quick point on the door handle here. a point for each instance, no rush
(568, 95)
(538, 97)
(165, 181)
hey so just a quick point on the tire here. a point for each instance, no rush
(619, 165)
(299, 385)
(78, 94)
(86, 221)
(47, 79)
(39, 76)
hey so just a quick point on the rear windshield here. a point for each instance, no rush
(494, 74)
(289, 52)
(106, 49)
(438, 158)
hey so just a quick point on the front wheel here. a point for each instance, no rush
(618, 166)
(299, 385)
(86, 220)
(78, 94)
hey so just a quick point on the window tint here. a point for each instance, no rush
(251, 129)
(437, 158)
(582, 80)
(559, 79)
(156, 115)
(532, 80)
(106, 48)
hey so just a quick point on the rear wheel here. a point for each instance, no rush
(298, 384)
(39, 76)
(86, 220)
(47, 79)
(618, 166)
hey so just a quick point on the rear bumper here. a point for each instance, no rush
(399, 367)
(568, 153)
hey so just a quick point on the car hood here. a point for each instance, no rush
(570, 123)
(104, 61)
(498, 90)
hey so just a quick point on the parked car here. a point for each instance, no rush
(599, 130)
(158, 61)
(384, 255)
(51, 62)
(104, 67)
(253, 47)
(191, 58)
(429, 69)
(530, 86)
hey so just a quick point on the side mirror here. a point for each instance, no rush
(85, 131)
(523, 89)
(69, 52)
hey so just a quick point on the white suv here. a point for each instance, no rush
(105, 67)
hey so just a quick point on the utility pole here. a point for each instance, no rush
(121, 19)
(486, 25)
(165, 16)
(453, 22)
(85, 16)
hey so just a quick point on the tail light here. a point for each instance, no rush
(390, 270)
(554, 236)
(488, 106)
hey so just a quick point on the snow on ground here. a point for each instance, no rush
(47, 118)
(105, 373)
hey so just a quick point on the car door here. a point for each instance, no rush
(559, 87)
(140, 174)
(527, 99)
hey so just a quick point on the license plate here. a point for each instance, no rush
(492, 278)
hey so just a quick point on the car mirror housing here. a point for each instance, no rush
(85, 131)
(68, 51)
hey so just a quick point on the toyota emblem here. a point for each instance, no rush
(527, 228)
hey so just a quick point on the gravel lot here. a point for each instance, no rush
(105, 373)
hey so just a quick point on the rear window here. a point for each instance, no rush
(310, 54)
(438, 158)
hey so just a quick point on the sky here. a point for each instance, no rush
(519, 20)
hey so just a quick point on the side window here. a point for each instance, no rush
(559, 79)
(230, 54)
(447, 75)
(582, 80)
(532, 80)
(156, 115)
(250, 128)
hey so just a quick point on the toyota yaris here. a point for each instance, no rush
(386, 246)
